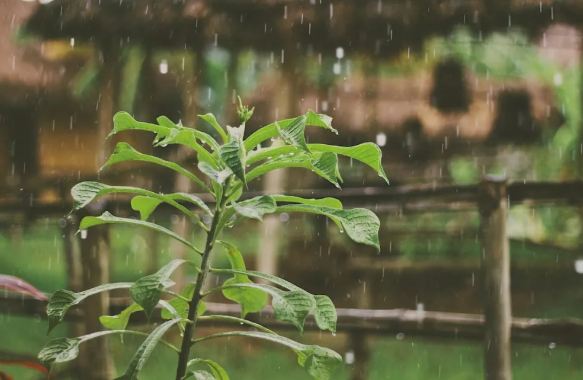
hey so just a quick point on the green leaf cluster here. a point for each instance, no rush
(227, 167)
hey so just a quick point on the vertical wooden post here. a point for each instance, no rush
(96, 358)
(496, 273)
(74, 276)
(267, 261)
(274, 181)
(358, 342)
(183, 184)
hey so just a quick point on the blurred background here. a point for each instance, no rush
(449, 90)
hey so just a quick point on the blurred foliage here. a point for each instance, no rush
(133, 63)
(85, 84)
(463, 170)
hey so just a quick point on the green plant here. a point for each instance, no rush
(226, 166)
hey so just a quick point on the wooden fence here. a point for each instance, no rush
(492, 197)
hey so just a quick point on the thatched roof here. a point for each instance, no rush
(400, 100)
(379, 28)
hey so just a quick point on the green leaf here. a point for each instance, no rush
(367, 153)
(123, 121)
(274, 151)
(147, 290)
(85, 192)
(361, 225)
(326, 166)
(292, 306)
(59, 350)
(271, 130)
(203, 137)
(255, 208)
(187, 137)
(210, 118)
(319, 362)
(288, 306)
(62, 300)
(218, 176)
(66, 349)
(120, 321)
(144, 205)
(145, 350)
(276, 280)
(233, 155)
(219, 372)
(326, 202)
(185, 197)
(324, 310)
(218, 189)
(124, 152)
(235, 194)
(199, 375)
(107, 218)
(251, 300)
(319, 120)
(182, 306)
(322, 164)
(169, 308)
(325, 313)
(293, 133)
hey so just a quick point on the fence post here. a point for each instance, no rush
(493, 205)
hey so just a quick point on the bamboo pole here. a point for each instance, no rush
(493, 204)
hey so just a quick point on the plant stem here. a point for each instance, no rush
(198, 289)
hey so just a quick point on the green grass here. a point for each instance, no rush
(246, 359)
(38, 257)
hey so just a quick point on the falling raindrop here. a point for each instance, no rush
(163, 67)
(381, 139)
(349, 357)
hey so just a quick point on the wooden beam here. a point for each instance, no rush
(426, 324)
(373, 264)
(496, 272)
(404, 197)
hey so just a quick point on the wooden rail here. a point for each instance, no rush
(439, 325)
(492, 198)
(414, 198)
